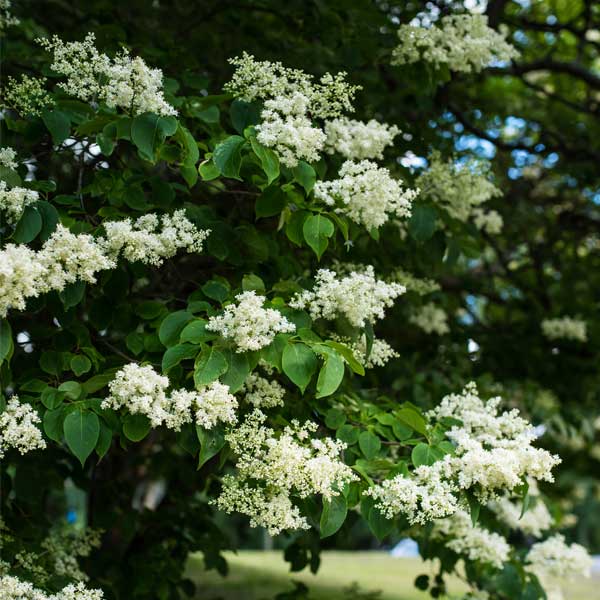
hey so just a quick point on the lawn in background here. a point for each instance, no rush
(258, 575)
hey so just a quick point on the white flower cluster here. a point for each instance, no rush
(566, 328)
(262, 393)
(537, 518)
(359, 296)
(431, 319)
(150, 239)
(357, 140)
(248, 324)
(263, 80)
(366, 193)
(461, 190)
(493, 452)
(122, 82)
(471, 541)
(381, 351)
(292, 99)
(13, 201)
(464, 43)
(415, 284)
(490, 221)
(66, 547)
(18, 428)
(289, 131)
(271, 469)
(555, 558)
(141, 390)
(66, 257)
(8, 158)
(12, 588)
(7, 19)
(28, 96)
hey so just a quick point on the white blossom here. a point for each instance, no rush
(8, 158)
(381, 351)
(13, 201)
(264, 80)
(66, 257)
(463, 42)
(366, 193)
(555, 558)
(19, 428)
(359, 296)
(431, 319)
(471, 541)
(262, 393)
(141, 390)
(415, 284)
(489, 221)
(287, 129)
(357, 140)
(461, 189)
(65, 547)
(248, 324)
(492, 452)
(28, 96)
(122, 82)
(7, 19)
(271, 468)
(535, 520)
(567, 328)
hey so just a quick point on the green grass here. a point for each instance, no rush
(256, 575)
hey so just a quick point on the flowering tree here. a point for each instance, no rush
(204, 290)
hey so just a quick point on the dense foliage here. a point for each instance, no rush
(252, 252)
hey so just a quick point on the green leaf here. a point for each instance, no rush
(171, 327)
(228, 156)
(58, 124)
(29, 225)
(211, 365)
(401, 430)
(317, 229)
(294, 227)
(331, 375)
(299, 363)
(72, 295)
(72, 389)
(379, 524)
(347, 433)
(305, 175)
(195, 332)
(369, 444)
(148, 131)
(474, 507)
(216, 290)
(251, 282)
(104, 440)
(422, 223)
(175, 354)
(239, 369)
(50, 219)
(6, 341)
(369, 337)
(348, 356)
(268, 160)
(424, 454)
(53, 423)
(243, 114)
(208, 170)
(335, 418)
(136, 427)
(333, 515)
(211, 441)
(412, 418)
(81, 429)
(271, 202)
